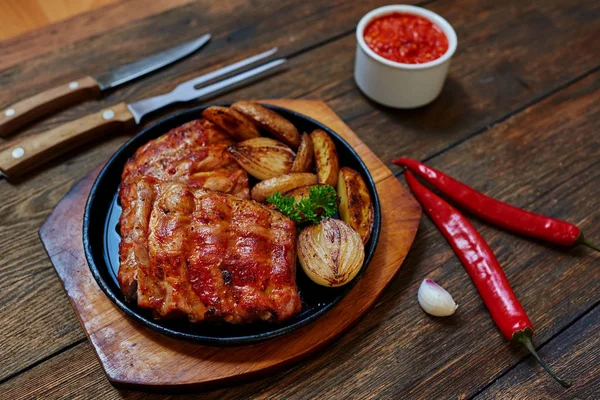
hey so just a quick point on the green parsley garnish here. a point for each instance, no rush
(321, 203)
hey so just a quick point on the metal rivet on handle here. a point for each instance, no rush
(18, 152)
(10, 112)
(73, 85)
(108, 114)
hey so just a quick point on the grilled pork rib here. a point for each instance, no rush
(207, 255)
(188, 250)
(193, 153)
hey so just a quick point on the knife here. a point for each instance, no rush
(22, 156)
(52, 100)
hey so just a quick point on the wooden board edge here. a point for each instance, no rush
(119, 382)
(77, 196)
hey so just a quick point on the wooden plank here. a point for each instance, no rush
(578, 345)
(33, 43)
(18, 17)
(70, 370)
(25, 15)
(46, 321)
(544, 159)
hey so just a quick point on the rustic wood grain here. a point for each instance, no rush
(398, 352)
(575, 346)
(132, 355)
(19, 16)
(35, 42)
(75, 371)
(28, 281)
(47, 102)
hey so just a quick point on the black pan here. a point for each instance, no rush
(101, 240)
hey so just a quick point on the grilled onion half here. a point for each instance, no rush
(331, 253)
(262, 157)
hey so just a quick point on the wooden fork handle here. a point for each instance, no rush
(24, 155)
(52, 100)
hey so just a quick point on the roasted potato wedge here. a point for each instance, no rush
(262, 157)
(277, 126)
(232, 122)
(299, 193)
(356, 206)
(305, 155)
(281, 184)
(326, 157)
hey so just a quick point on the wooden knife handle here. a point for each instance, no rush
(21, 156)
(52, 100)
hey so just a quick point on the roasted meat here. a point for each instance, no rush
(193, 153)
(211, 256)
(189, 249)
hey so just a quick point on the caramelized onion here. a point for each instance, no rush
(262, 157)
(331, 253)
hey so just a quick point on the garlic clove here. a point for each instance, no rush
(435, 300)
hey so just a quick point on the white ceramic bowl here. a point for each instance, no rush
(395, 84)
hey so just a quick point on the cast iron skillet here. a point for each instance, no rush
(101, 241)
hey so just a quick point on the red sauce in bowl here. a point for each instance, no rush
(406, 38)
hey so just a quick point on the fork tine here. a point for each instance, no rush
(188, 92)
(230, 83)
(225, 70)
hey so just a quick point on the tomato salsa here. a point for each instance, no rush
(406, 38)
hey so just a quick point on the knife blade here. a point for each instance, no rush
(52, 100)
(22, 156)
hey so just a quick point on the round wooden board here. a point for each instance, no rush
(135, 357)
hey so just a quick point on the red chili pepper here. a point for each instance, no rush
(498, 213)
(482, 266)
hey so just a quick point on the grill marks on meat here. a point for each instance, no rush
(188, 250)
(133, 249)
(243, 262)
(193, 153)
(207, 255)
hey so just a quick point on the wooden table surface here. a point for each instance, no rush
(519, 118)
(19, 16)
